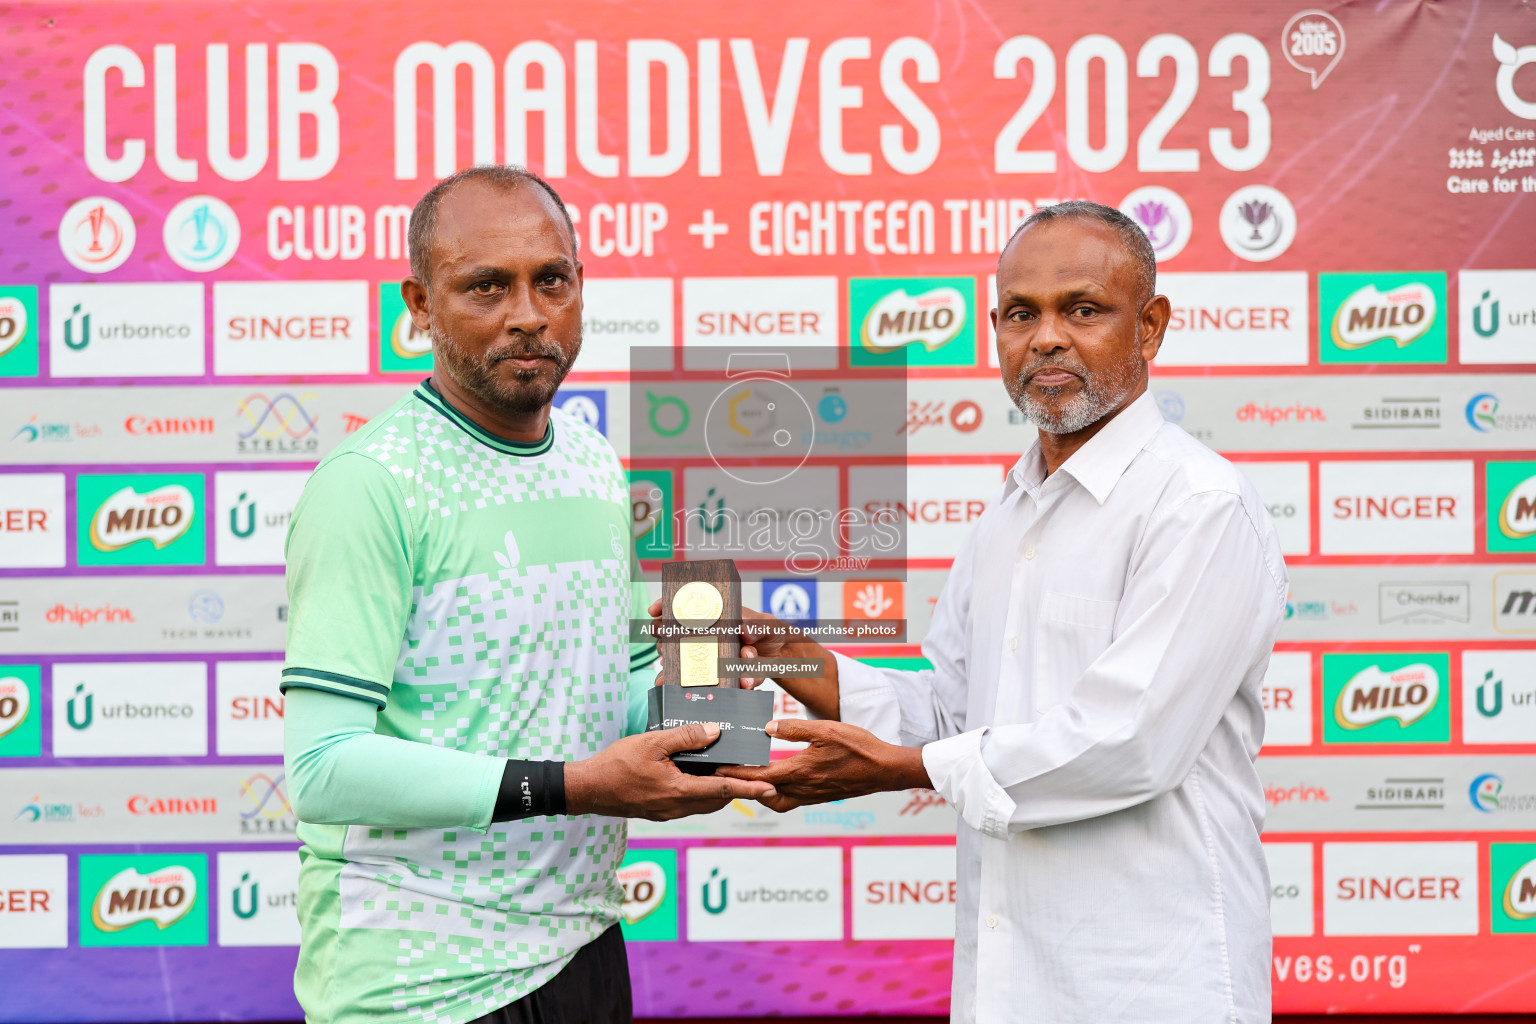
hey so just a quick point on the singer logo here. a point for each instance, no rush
(127, 517)
(129, 898)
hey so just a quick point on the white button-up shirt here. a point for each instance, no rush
(1093, 715)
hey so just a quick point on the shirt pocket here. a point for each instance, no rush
(1073, 631)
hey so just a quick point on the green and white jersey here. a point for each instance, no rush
(477, 591)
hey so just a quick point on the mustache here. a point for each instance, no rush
(1052, 363)
(527, 347)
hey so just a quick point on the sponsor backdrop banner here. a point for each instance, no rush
(204, 215)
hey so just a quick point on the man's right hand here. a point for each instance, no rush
(635, 778)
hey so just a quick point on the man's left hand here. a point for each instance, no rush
(842, 761)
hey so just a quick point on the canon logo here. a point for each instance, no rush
(148, 425)
(1401, 888)
(905, 892)
(172, 805)
(1400, 506)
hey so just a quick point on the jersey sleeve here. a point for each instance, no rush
(349, 553)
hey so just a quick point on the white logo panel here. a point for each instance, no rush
(1400, 889)
(753, 312)
(1400, 507)
(1498, 696)
(126, 330)
(249, 708)
(1235, 319)
(1286, 490)
(1497, 316)
(253, 511)
(1287, 697)
(904, 892)
(784, 893)
(938, 507)
(32, 521)
(130, 709)
(619, 313)
(1290, 888)
(258, 899)
(276, 328)
(34, 901)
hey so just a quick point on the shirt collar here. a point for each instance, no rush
(429, 394)
(1099, 464)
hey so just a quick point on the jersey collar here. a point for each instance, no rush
(427, 393)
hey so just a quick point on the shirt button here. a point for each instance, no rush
(1029, 552)
(1013, 643)
(991, 920)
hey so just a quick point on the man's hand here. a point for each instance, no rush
(634, 778)
(842, 761)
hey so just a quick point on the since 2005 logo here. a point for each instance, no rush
(148, 519)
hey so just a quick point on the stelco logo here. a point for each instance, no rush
(15, 702)
(1406, 694)
(1517, 516)
(931, 319)
(164, 897)
(1402, 315)
(407, 340)
(160, 516)
(1520, 893)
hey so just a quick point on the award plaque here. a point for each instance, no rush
(702, 596)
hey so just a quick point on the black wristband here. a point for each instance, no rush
(530, 789)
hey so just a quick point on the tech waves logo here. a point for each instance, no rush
(1406, 694)
(164, 896)
(159, 516)
(1402, 315)
(1511, 60)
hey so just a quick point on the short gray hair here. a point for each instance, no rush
(506, 177)
(1131, 236)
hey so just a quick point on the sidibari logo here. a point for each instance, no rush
(127, 517)
(645, 886)
(931, 319)
(13, 322)
(15, 703)
(1406, 694)
(408, 341)
(1517, 514)
(1510, 61)
(164, 896)
(1402, 314)
(1520, 893)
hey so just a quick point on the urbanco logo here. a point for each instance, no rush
(750, 894)
(258, 898)
(140, 519)
(1497, 315)
(201, 233)
(150, 329)
(253, 510)
(1498, 696)
(143, 900)
(130, 709)
(97, 235)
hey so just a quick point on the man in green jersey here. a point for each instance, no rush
(459, 666)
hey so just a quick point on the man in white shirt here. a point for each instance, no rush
(1093, 708)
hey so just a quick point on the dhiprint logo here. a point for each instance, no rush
(1258, 223)
(784, 893)
(201, 233)
(1497, 315)
(1510, 61)
(258, 899)
(1512, 877)
(126, 330)
(1382, 318)
(96, 235)
(140, 519)
(1498, 696)
(911, 321)
(1163, 215)
(1386, 698)
(279, 424)
(143, 900)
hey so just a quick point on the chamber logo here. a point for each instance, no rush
(1517, 513)
(1401, 315)
(96, 235)
(1163, 215)
(201, 233)
(1406, 694)
(159, 516)
(128, 898)
(931, 319)
(1520, 893)
(1511, 60)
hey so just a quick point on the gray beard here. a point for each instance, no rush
(532, 390)
(1101, 394)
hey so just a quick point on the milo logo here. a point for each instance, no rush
(15, 702)
(13, 322)
(1406, 694)
(645, 886)
(1401, 315)
(1517, 515)
(407, 340)
(128, 898)
(1520, 893)
(159, 516)
(930, 319)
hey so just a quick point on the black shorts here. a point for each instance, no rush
(592, 989)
